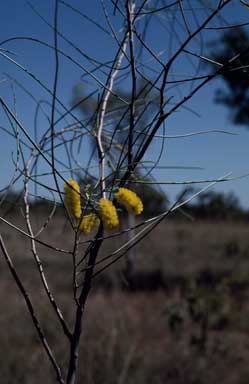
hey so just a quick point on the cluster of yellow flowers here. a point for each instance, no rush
(72, 198)
(107, 210)
(89, 222)
(108, 214)
(129, 200)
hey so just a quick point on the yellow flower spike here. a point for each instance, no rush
(108, 214)
(129, 200)
(72, 198)
(89, 222)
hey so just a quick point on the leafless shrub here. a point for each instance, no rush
(121, 123)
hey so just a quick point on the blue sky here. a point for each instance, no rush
(216, 154)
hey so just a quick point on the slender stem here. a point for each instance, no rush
(130, 6)
(39, 262)
(75, 340)
(103, 109)
(35, 320)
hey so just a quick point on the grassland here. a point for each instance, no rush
(185, 321)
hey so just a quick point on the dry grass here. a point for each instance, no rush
(130, 337)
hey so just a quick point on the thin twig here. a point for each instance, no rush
(31, 311)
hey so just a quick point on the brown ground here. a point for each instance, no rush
(192, 327)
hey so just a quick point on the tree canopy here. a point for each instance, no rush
(236, 76)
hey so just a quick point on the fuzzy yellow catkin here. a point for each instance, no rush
(72, 198)
(89, 222)
(108, 214)
(129, 200)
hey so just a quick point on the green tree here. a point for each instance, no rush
(154, 200)
(236, 76)
(116, 130)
